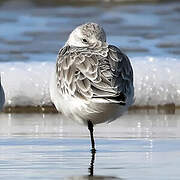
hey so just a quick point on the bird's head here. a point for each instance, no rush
(86, 35)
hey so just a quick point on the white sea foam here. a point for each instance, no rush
(157, 81)
(26, 83)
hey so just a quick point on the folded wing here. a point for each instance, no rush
(101, 73)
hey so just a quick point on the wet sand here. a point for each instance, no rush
(45, 146)
(170, 108)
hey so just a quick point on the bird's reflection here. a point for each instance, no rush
(91, 175)
(92, 178)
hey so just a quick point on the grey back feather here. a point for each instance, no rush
(100, 71)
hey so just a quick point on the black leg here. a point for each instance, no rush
(91, 166)
(90, 127)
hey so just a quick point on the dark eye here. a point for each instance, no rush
(84, 41)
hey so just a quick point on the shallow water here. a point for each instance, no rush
(137, 146)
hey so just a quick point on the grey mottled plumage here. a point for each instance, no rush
(93, 80)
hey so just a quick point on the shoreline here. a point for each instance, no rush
(50, 109)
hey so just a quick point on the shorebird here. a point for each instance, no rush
(93, 81)
(2, 96)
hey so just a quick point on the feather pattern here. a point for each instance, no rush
(96, 71)
(93, 81)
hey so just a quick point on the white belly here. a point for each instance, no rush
(97, 111)
(82, 111)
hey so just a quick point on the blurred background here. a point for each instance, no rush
(33, 31)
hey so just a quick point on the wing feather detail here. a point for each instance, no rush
(102, 72)
(84, 84)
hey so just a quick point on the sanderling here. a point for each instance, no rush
(2, 96)
(93, 81)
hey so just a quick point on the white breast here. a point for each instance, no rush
(97, 111)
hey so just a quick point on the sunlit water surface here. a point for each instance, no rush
(137, 146)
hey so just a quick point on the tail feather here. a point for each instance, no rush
(118, 99)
